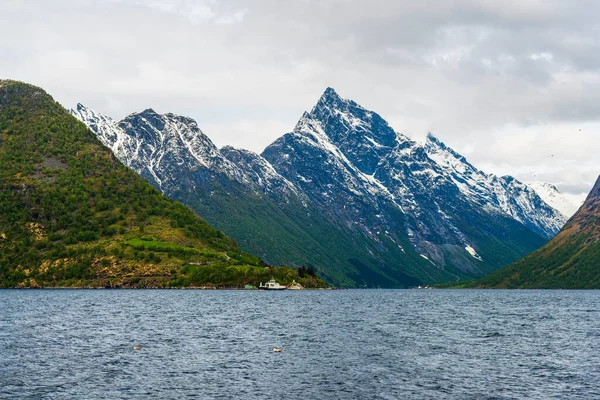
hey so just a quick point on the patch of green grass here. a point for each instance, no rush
(183, 252)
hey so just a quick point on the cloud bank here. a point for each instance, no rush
(513, 85)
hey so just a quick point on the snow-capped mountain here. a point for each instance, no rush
(344, 192)
(501, 194)
(552, 196)
(163, 147)
(360, 171)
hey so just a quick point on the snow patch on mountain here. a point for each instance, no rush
(105, 128)
(473, 253)
(261, 173)
(551, 195)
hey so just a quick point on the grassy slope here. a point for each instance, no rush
(72, 215)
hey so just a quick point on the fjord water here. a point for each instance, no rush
(355, 344)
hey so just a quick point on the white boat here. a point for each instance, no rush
(271, 285)
(296, 286)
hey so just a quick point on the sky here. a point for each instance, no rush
(514, 85)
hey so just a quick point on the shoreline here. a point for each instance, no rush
(155, 288)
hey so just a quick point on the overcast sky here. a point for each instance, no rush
(514, 85)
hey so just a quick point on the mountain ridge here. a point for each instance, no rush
(344, 169)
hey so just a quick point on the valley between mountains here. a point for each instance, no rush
(344, 193)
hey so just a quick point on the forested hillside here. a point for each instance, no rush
(72, 215)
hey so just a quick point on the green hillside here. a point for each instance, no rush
(72, 215)
(290, 235)
(569, 261)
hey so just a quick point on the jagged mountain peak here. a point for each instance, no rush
(360, 139)
(433, 140)
(82, 108)
(330, 99)
(164, 148)
(434, 144)
(155, 119)
(360, 134)
(331, 102)
(146, 140)
(149, 111)
(447, 158)
(329, 91)
(331, 94)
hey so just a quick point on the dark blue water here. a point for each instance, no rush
(356, 344)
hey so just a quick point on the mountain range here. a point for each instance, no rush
(342, 192)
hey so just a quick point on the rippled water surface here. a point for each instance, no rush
(355, 344)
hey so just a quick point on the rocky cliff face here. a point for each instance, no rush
(407, 210)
